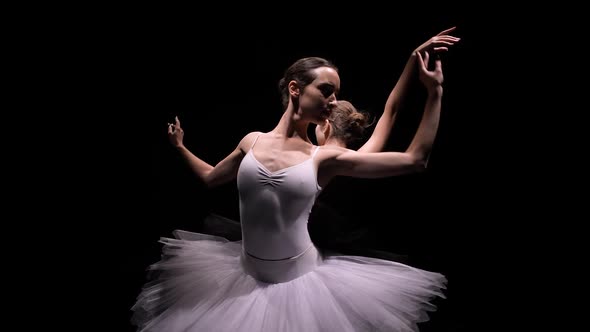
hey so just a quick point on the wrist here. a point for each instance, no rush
(435, 90)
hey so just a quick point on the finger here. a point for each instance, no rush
(446, 31)
(438, 44)
(177, 121)
(438, 65)
(426, 58)
(422, 66)
(449, 37)
(448, 41)
(170, 129)
(440, 49)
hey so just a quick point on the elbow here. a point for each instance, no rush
(208, 181)
(418, 164)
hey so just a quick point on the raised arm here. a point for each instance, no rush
(339, 161)
(225, 171)
(422, 142)
(436, 44)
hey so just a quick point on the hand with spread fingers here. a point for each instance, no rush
(439, 43)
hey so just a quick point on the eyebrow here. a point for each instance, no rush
(328, 84)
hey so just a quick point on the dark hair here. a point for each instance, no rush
(301, 72)
(348, 123)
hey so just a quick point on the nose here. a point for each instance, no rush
(332, 103)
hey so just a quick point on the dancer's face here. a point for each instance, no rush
(317, 99)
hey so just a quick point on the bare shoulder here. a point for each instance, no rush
(331, 152)
(248, 140)
(330, 162)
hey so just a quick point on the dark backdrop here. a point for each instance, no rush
(219, 74)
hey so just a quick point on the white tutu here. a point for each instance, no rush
(200, 284)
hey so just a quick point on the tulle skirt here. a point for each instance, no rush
(208, 283)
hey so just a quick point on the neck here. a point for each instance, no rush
(292, 125)
(335, 142)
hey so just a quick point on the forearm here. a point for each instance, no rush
(401, 87)
(384, 126)
(423, 141)
(198, 166)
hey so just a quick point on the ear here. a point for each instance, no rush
(327, 129)
(294, 88)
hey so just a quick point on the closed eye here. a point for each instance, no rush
(327, 90)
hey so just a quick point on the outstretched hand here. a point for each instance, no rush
(175, 133)
(439, 43)
(430, 78)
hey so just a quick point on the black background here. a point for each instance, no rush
(218, 71)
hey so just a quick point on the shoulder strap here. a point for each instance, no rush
(256, 139)
(315, 151)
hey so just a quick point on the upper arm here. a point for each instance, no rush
(374, 165)
(227, 169)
